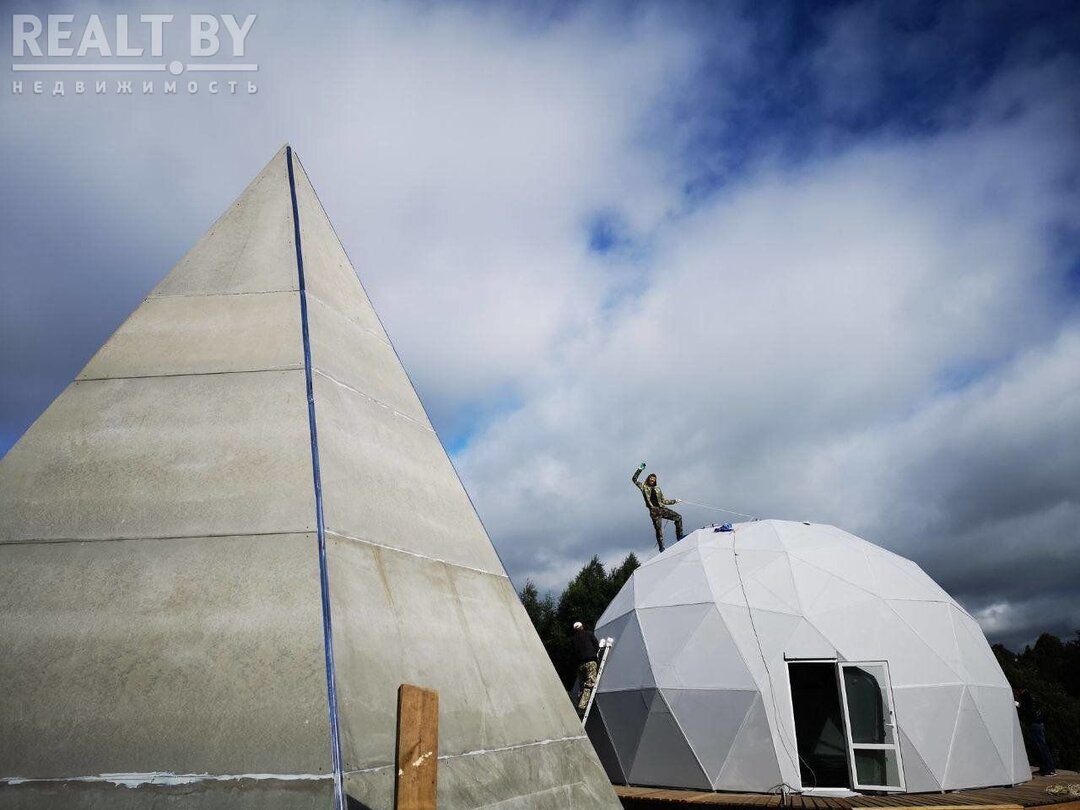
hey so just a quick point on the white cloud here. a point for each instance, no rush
(459, 153)
(798, 354)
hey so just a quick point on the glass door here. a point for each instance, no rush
(873, 747)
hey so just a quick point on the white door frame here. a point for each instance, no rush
(890, 723)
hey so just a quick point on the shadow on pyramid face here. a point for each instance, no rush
(163, 562)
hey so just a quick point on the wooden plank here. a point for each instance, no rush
(1029, 795)
(1057, 801)
(417, 762)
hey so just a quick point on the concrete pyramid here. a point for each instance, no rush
(230, 539)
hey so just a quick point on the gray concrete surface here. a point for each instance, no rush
(188, 456)
(204, 335)
(159, 594)
(351, 354)
(400, 618)
(556, 776)
(388, 480)
(330, 276)
(244, 794)
(185, 655)
(249, 249)
(185, 634)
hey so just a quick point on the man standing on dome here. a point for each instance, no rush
(658, 506)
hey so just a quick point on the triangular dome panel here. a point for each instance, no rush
(772, 588)
(711, 658)
(802, 538)
(807, 642)
(1021, 769)
(668, 630)
(664, 752)
(976, 657)
(973, 758)
(774, 630)
(993, 704)
(750, 560)
(810, 581)
(918, 777)
(628, 662)
(855, 629)
(622, 604)
(914, 661)
(683, 582)
(756, 537)
(719, 565)
(602, 741)
(840, 594)
(625, 714)
(928, 716)
(710, 719)
(752, 761)
(843, 559)
(931, 622)
(894, 580)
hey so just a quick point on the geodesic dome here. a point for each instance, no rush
(782, 653)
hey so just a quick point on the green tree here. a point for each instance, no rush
(1048, 669)
(541, 610)
(619, 576)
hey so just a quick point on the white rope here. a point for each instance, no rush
(717, 509)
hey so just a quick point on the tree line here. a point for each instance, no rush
(1049, 669)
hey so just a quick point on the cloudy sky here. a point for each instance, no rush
(812, 264)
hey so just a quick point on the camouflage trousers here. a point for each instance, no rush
(659, 515)
(587, 672)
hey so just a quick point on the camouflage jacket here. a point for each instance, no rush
(654, 496)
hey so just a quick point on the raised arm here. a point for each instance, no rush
(637, 474)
